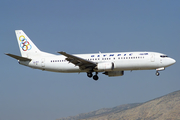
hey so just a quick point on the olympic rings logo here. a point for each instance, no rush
(25, 45)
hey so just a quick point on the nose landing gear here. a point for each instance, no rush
(159, 69)
(157, 73)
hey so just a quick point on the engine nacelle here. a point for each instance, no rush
(114, 73)
(106, 66)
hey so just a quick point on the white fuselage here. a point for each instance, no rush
(122, 61)
(111, 64)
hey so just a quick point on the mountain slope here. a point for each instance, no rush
(101, 112)
(163, 108)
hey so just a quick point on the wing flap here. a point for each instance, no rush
(77, 61)
(18, 57)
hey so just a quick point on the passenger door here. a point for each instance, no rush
(152, 58)
(43, 62)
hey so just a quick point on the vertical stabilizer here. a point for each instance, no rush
(26, 46)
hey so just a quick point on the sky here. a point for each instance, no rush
(84, 26)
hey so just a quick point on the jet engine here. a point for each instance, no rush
(106, 66)
(114, 73)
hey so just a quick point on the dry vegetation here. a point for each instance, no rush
(163, 108)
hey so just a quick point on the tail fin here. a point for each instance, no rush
(26, 46)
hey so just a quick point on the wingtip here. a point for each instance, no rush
(61, 52)
(6, 53)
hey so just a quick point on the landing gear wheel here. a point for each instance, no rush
(89, 74)
(95, 77)
(157, 73)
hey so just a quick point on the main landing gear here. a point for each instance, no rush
(89, 74)
(95, 77)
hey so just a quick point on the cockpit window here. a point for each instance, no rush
(163, 56)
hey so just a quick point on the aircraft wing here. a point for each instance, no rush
(77, 61)
(18, 57)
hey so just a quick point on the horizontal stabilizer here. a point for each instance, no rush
(18, 57)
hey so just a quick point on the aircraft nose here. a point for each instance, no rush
(172, 61)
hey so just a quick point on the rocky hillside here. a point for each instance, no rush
(164, 108)
(101, 112)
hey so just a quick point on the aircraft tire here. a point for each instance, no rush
(89, 74)
(95, 77)
(157, 73)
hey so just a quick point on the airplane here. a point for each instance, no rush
(111, 64)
